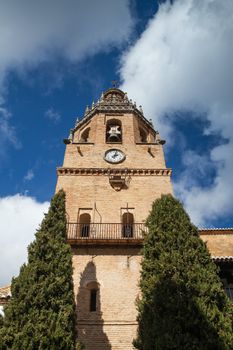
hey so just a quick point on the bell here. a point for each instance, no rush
(113, 137)
(114, 134)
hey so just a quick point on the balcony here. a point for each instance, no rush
(89, 234)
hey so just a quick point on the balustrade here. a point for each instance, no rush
(105, 231)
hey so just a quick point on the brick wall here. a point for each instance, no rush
(116, 271)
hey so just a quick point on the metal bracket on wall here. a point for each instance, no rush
(150, 152)
(119, 182)
(79, 151)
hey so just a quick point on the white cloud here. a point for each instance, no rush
(183, 62)
(7, 133)
(53, 115)
(29, 176)
(33, 32)
(20, 216)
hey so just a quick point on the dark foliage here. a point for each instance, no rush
(41, 312)
(183, 305)
(1, 321)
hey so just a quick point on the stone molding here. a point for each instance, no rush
(109, 171)
(106, 323)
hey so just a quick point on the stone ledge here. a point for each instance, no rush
(111, 171)
(76, 242)
(105, 323)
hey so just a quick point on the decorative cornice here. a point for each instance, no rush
(215, 231)
(215, 228)
(112, 109)
(110, 171)
(228, 258)
(113, 101)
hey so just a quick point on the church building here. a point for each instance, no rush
(113, 169)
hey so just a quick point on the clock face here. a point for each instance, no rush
(114, 156)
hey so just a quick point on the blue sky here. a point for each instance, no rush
(173, 58)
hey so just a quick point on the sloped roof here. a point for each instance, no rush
(113, 100)
(216, 231)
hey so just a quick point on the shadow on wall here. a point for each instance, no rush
(89, 315)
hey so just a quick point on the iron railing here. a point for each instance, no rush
(105, 231)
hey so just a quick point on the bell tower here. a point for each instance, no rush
(113, 170)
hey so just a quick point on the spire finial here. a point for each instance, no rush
(114, 83)
(87, 110)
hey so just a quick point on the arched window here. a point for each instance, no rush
(85, 135)
(93, 300)
(143, 135)
(113, 131)
(127, 225)
(84, 224)
(93, 288)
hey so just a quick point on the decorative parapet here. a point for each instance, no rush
(113, 172)
(113, 101)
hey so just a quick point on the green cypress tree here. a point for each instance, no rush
(41, 312)
(183, 304)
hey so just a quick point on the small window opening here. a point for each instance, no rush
(84, 223)
(143, 135)
(113, 131)
(85, 135)
(93, 300)
(127, 225)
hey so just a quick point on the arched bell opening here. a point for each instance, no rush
(84, 225)
(85, 135)
(127, 225)
(114, 131)
(143, 135)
